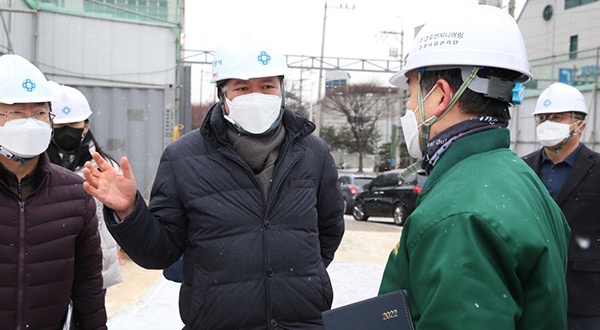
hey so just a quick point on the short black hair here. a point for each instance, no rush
(472, 102)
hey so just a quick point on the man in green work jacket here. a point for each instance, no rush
(486, 247)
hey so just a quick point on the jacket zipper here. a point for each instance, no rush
(21, 261)
(21, 250)
(276, 184)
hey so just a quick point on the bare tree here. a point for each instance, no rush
(293, 101)
(362, 105)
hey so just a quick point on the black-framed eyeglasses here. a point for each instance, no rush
(43, 115)
(555, 117)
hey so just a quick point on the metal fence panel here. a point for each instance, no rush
(131, 122)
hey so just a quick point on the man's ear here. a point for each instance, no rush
(444, 87)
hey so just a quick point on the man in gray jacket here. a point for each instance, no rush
(250, 199)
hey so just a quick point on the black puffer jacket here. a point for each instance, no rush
(49, 252)
(247, 264)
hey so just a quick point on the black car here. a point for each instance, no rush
(351, 184)
(388, 196)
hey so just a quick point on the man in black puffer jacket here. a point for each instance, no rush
(250, 199)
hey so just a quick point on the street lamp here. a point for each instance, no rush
(317, 119)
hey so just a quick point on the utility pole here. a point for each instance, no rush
(511, 7)
(395, 33)
(317, 119)
(394, 141)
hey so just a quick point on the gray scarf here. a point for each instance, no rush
(260, 152)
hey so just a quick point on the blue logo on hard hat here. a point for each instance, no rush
(264, 58)
(66, 110)
(547, 103)
(28, 85)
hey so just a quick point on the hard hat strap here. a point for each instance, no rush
(426, 124)
(557, 148)
(462, 89)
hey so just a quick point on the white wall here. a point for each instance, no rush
(81, 50)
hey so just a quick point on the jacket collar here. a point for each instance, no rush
(8, 180)
(469, 145)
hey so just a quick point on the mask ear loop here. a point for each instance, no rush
(581, 123)
(426, 124)
(565, 141)
(222, 99)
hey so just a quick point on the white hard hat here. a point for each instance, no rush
(560, 97)
(70, 105)
(247, 59)
(477, 35)
(22, 82)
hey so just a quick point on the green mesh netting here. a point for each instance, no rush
(159, 12)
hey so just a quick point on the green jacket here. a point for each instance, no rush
(486, 247)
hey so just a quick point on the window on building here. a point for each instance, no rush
(573, 47)
(577, 3)
(53, 2)
(131, 9)
(333, 84)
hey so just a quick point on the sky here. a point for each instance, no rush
(353, 31)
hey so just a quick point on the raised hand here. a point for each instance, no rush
(115, 189)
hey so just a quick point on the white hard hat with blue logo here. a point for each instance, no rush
(247, 59)
(70, 105)
(22, 82)
(560, 97)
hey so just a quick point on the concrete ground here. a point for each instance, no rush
(145, 300)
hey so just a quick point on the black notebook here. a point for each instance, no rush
(387, 311)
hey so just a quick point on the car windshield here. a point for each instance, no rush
(362, 181)
(386, 179)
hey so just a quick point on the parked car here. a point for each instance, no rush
(351, 184)
(388, 196)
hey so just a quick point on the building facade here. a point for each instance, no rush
(563, 46)
(123, 55)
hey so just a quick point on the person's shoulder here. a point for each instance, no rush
(297, 123)
(315, 143)
(592, 153)
(531, 155)
(63, 174)
(189, 144)
(191, 137)
(65, 180)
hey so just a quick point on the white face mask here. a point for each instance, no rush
(410, 129)
(255, 113)
(26, 137)
(550, 133)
